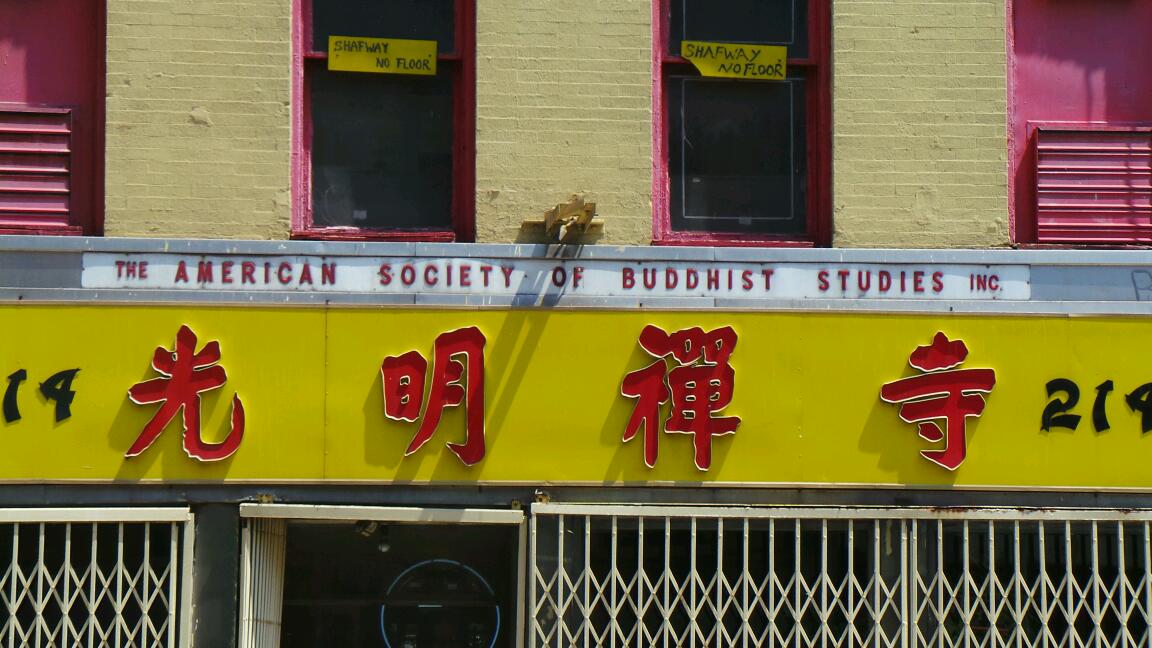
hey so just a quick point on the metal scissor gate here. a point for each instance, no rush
(94, 577)
(622, 575)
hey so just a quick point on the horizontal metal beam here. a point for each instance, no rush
(1088, 258)
(33, 515)
(845, 513)
(406, 515)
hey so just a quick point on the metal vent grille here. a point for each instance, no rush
(1094, 186)
(35, 163)
(808, 578)
(91, 583)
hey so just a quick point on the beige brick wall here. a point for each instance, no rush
(198, 130)
(564, 106)
(920, 156)
(198, 112)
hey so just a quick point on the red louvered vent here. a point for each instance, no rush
(1094, 186)
(35, 164)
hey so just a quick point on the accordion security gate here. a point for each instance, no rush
(621, 575)
(94, 577)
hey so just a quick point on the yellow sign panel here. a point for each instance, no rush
(381, 55)
(805, 387)
(736, 61)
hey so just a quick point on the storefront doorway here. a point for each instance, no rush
(368, 577)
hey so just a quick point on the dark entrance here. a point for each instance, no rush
(381, 584)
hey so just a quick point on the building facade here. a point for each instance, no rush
(679, 323)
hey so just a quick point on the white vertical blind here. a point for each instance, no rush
(262, 583)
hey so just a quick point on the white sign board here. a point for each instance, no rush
(530, 276)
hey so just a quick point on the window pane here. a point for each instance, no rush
(412, 19)
(381, 150)
(765, 22)
(736, 155)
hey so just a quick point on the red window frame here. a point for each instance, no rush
(461, 64)
(818, 138)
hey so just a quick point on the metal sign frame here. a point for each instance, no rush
(1117, 282)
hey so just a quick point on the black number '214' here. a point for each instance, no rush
(1056, 413)
(58, 388)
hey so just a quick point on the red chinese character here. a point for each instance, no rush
(699, 386)
(939, 395)
(457, 377)
(187, 374)
(403, 377)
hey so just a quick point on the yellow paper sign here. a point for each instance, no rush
(737, 61)
(381, 55)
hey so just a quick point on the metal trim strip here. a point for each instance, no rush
(108, 297)
(415, 515)
(842, 512)
(103, 514)
(1055, 257)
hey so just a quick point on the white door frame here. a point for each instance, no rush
(410, 515)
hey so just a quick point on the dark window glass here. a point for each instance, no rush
(763, 22)
(737, 157)
(411, 19)
(381, 151)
